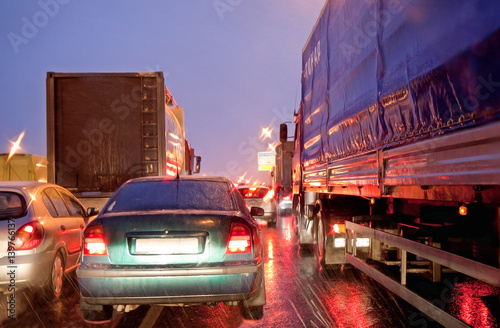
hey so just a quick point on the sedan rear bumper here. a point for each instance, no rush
(25, 271)
(167, 286)
(166, 300)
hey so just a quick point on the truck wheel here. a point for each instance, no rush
(294, 225)
(320, 242)
(306, 246)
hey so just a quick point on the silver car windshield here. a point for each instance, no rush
(173, 194)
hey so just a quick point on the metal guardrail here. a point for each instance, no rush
(457, 263)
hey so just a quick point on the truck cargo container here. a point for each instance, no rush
(397, 141)
(106, 128)
(23, 167)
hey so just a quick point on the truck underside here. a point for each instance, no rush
(425, 208)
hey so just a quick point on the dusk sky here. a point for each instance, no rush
(233, 65)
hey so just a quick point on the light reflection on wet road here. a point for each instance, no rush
(297, 296)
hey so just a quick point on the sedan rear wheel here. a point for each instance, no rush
(53, 289)
(57, 275)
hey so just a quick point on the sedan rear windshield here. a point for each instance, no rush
(12, 205)
(173, 194)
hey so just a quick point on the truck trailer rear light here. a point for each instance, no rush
(171, 169)
(337, 228)
(360, 242)
(240, 239)
(339, 243)
(94, 243)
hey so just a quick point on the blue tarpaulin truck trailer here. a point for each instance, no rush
(23, 167)
(397, 139)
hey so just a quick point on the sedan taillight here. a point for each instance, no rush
(93, 243)
(269, 195)
(240, 239)
(29, 236)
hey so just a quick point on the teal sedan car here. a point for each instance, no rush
(182, 241)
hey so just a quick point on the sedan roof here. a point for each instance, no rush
(185, 178)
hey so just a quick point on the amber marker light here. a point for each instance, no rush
(462, 210)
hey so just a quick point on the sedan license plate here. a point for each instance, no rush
(164, 246)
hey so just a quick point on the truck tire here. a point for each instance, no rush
(320, 251)
(294, 226)
(306, 238)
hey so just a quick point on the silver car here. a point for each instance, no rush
(260, 196)
(41, 228)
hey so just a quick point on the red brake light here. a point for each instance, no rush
(240, 239)
(94, 243)
(269, 195)
(29, 236)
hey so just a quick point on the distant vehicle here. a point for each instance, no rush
(181, 241)
(282, 174)
(106, 128)
(260, 196)
(41, 228)
(285, 204)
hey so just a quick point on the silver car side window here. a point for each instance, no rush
(75, 209)
(48, 204)
(57, 201)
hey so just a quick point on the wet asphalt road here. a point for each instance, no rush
(298, 295)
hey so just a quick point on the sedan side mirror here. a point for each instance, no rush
(256, 211)
(91, 211)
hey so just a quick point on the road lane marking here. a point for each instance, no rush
(151, 317)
